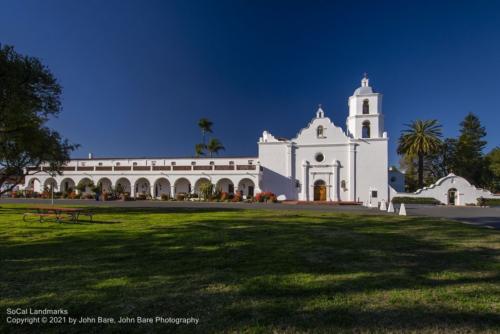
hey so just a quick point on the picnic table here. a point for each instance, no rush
(57, 212)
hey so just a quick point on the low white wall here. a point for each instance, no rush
(466, 193)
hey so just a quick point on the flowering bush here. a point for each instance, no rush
(73, 195)
(266, 196)
(237, 197)
(224, 196)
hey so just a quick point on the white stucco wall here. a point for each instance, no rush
(157, 180)
(466, 192)
(372, 170)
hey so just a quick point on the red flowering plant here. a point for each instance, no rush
(224, 196)
(237, 197)
(266, 196)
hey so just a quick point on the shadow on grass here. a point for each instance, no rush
(264, 270)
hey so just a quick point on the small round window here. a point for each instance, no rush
(319, 157)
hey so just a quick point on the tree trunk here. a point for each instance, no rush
(420, 170)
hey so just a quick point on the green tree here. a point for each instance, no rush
(206, 190)
(200, 149)
(469, 158)
(493, 163)
(214, 146)
(441, 162)
(409, 166)
(420, 139)
(205, 126)
(29, 97)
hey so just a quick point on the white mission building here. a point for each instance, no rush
(322, 163)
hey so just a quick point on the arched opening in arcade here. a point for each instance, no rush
(105, 185)
(162, 187)
(182, 186)
(35, 185)
(50, 184)
(198, 186)
(247, 188)
(85, 186)
(68, 185)
(123, 186)
(142, 187)
(225, 185)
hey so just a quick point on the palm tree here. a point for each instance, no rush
(214, 146)
(206, 126)
(200, 149)
(421, 138)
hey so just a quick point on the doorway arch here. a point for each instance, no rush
(68, 185)
(161, 187)
(246, 187)
(320, 190)
(142, 187)
(105, 185)
(452, 196)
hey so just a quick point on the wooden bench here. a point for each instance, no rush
(41, 216)
(87, 213)
(58, 213)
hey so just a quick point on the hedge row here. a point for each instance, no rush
(488, 201)
(415, 200)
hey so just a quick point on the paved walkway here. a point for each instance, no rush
(486, 217)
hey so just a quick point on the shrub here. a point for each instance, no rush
(237, 197)
(28, 193)
(415, 200)
(141, 196)
(481, 201)
(88, 196)
(206, 190)
(125, 197)
(266, 196)
(224, 196)
(73, 195)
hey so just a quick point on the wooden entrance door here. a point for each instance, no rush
(452, 196)
(319, 191)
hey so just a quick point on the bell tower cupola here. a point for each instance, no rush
(365, 119)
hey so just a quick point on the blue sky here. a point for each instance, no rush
(137, 75)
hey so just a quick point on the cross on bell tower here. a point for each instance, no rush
(365, 82)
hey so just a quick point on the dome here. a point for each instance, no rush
(363, 91)
(365, 88)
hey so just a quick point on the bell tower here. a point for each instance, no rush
(365, 113)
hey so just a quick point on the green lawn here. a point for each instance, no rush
(254, 271)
